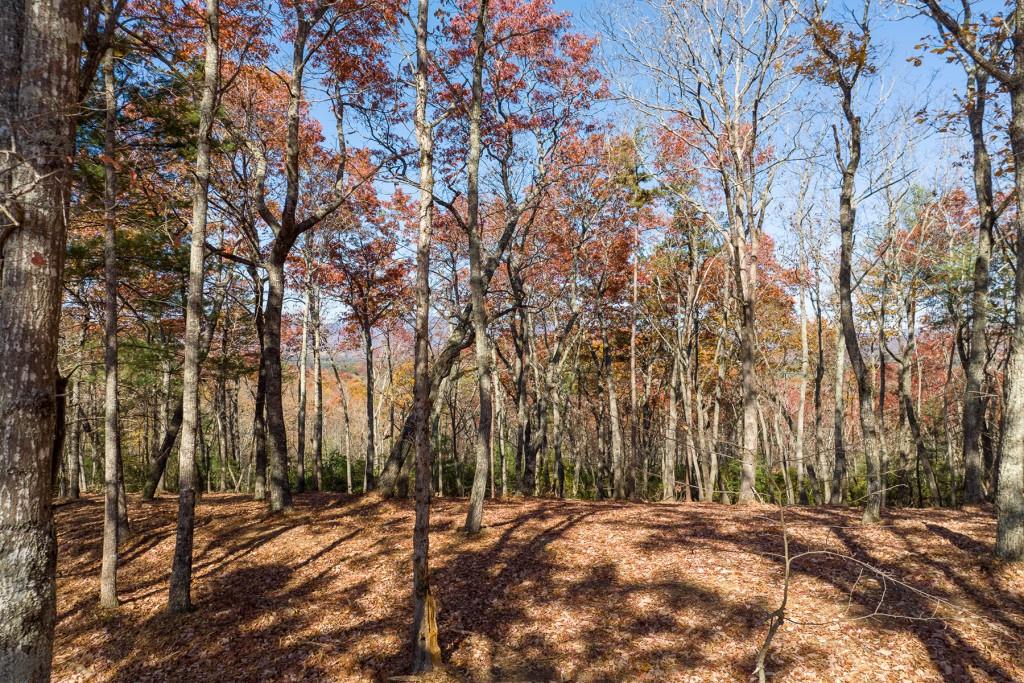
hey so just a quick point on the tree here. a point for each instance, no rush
(40, 42)
(725, 68)
(179, 596)
(1010, 490)
(112, 433)
(426, 653)
(478, 294)
(372, 283)
(840, 59)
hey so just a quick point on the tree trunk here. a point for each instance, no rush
(159, 464)
(300, 428)
(847, 221)
(974, 396)
(618, 469)
(838, 423)
(179, 597)
(280, 491)
(668, 462)
(1010, 482)
(426, 653)
(369, 482)
(748, 372)
(40, 85)
(111, 424)
(318, 400)
(259, 419)
(478, 292)
(804, 368)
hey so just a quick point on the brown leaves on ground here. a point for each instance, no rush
(549, 590)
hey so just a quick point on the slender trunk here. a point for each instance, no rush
(74, 459)
(179, 596)
(426, 653)
(348, 428)
(908, 407)
(865, 391)
(819, 376)
(478, 292)
(804, 368)
(633, 414)
(668, 462)
(280, 491)
(974, 396)
(318, 401)
(618, 466)
(165, 417)
(111, 424)
(259, 419)
(300, 427)
(369, 482)
(499, 412)
(159, 464)
(838, 423)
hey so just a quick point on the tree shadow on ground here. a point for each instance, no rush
(549, 590)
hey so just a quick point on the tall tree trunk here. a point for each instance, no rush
(906, 361)
(668, 462)
(974, 396)
(804, 369)
(39, 57)
(748, 370)
(74, 459)
(112, 442)
(259, 419)
(1010, 482)
(633, 412)
(426, 653)
(369, 482)
(300, 428)
(280, 491)
(838, 424)
(348, 427)
(165, 417)
(179, 597)
(478, 293)
(847, 221)
(618, 466)
(819, 377)
(318, 400)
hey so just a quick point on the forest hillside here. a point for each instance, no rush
(547, 591)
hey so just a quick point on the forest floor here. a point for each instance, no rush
(548, 591)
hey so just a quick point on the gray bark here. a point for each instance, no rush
(111, 450)
(478, 292)
(179, 594)
(39, 58)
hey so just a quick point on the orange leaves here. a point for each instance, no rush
(550, 590)
(836, 52)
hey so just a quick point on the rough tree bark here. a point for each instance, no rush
(369, 479)
(111, 438)
(179, 594)
(1010, 483)
(39, 61)
(838, 423)
(974, 394)
(426, 653)
(318, 399)
(478, 292)
(300, 427)
(865, 390)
